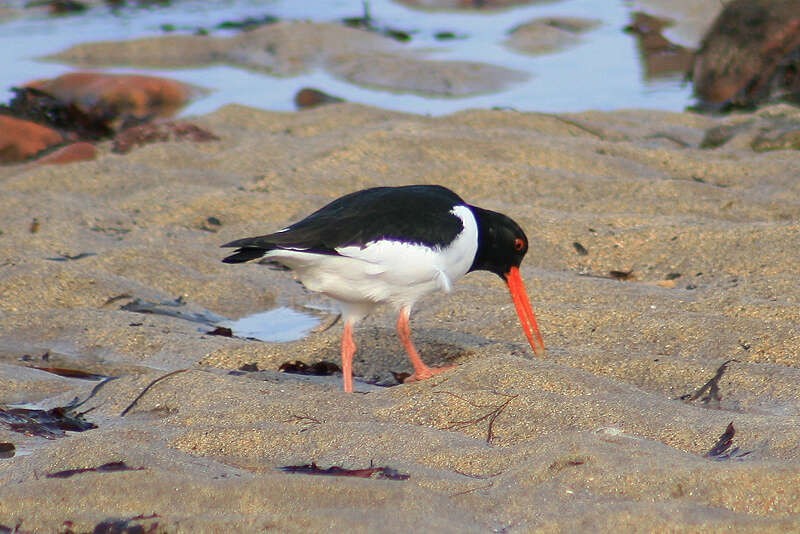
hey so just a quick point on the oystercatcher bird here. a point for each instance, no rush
(393, 245)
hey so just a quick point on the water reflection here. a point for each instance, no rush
(276, 325)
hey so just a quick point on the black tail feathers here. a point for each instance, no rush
(245, 254)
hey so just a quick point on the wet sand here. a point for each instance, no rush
(594, 436)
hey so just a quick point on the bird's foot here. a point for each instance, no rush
(427, 372)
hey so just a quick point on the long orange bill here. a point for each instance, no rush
(523, 305)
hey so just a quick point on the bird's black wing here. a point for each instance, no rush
(417, 214)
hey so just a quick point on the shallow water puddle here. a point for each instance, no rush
(276, 325)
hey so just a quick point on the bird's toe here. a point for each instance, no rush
(428, 372)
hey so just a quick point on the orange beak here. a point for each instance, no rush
(523, 305)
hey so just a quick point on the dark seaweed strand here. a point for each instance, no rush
(146, 389)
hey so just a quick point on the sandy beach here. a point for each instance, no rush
(663, 268)
(593, 436)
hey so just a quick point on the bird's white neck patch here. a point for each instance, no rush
(457, 257)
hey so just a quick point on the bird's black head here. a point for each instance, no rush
(501, 246)
(501, 243)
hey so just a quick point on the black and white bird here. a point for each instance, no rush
(393, 245)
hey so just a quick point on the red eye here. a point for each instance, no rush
(519, 244)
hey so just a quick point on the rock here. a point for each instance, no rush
(544, 35)
(162, 51)
(310, 98)
(773, 128)
(720, 135)
(21, 140)
(291, 48)
(439, 78)
(750, 55)
(117, 94)
(786, 137)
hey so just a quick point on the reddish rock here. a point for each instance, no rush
(310, 98)
(81, 151)
(751, 54)
(21, 139)
(119, 94)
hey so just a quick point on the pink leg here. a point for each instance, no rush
(421, 371)
(348, 350)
